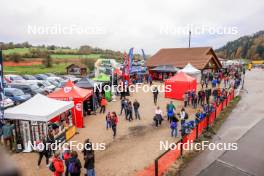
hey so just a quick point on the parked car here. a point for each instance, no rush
(50, 74)
(59, 79)
(44, 84)
(14, 78)
(29, 77)
(28, 88)
(41, 76)
(7, 102)
(54, 82)
(16, 95)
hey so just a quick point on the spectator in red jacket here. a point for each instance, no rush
(103, 105)
(114, 121)
(58, 165)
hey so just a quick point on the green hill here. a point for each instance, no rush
(248, 47)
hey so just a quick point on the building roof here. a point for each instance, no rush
(181, 77)
(199, 57)
(38, 108)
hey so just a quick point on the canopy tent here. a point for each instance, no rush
(38, 108)
(192, 71)
(179, 84)
(78, 95)
(138, 69)
(165, 69)
(102, 78)
(86, 83)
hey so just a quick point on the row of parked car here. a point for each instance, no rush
(20, 88)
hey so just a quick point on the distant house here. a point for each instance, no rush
(201, 58)
(76, 69)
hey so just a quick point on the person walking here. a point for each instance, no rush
(158, 117)
(155, 95)
(183, 116)
(130, 111)
(108, 120)
(208, 93)
(170, 110)
(57, 166)
(74, 164)
(66, 156)
(174, 126)
(123, 104)
(103, 105)
(185, 99)
(7, 131)
(114, 122)
(43, 151)
(136, 106)
(89, 163)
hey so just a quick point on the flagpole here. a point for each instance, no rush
(189, 38)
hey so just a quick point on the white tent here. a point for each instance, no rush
(39, 108)
(192, 71)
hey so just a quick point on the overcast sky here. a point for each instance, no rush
(121, 24)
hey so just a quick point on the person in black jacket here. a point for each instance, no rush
(74, 165)
(136, 107)
(208, 93)
(89, 163)
(43, 151)
(155, 95)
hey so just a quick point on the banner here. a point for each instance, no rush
(1, 87)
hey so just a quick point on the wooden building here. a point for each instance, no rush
(200, 57)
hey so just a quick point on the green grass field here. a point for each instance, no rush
(75, 56)
(16, 50)
(36, 69)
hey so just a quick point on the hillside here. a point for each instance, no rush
(248, 47)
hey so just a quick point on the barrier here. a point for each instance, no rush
(211, 118)
(219, 109)
(165, 160)
(190, 137)
(201, 126)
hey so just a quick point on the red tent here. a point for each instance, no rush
(180, 83)
(70, 92)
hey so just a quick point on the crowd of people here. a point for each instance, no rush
(66, 162)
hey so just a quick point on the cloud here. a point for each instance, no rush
(128, 24)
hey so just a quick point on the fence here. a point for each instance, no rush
(165, 160)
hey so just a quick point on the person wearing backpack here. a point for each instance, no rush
(43, 151)
(89, 163)
(57, 166)
(173, 126)
(66, 156)
(170, 111)
(74, 165)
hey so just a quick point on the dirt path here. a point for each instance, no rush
(136, 146)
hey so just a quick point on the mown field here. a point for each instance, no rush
(36, 69)
(75, 56)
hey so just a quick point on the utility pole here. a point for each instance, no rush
(190, 38)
